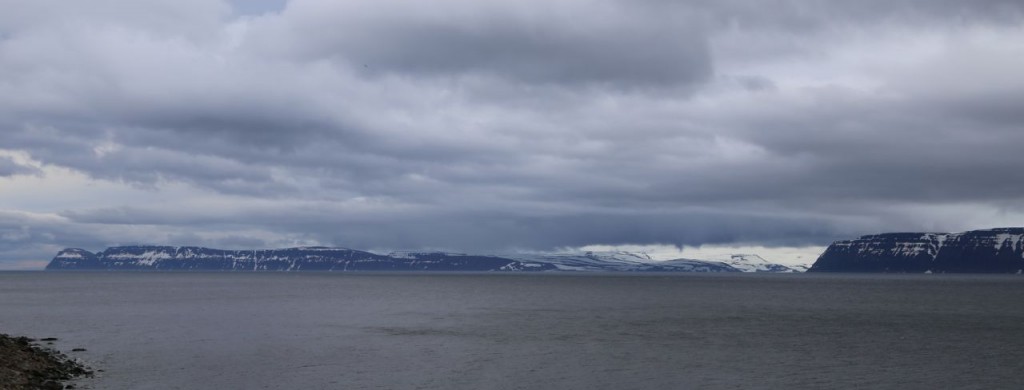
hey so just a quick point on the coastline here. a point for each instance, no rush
(27, 365)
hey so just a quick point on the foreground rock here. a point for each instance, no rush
(27, 366)
(979, 251)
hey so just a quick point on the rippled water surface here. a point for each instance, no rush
(521, 331)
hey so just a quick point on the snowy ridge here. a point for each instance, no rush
(289, 259)
(690, 265)
(641, 262)
(590, 261)
(343, 259)
(72, 254)
(418, 255)
(754, 263)
(982, 251)
(616, 261)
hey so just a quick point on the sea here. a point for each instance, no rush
(168, 330)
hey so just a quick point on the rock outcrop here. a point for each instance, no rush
(27, 365)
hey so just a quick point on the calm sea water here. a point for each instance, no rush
(513, 331)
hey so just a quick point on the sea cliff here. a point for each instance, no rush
(998, 250)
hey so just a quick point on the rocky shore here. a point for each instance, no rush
(25, 365)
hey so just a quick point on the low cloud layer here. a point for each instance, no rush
(494, 126)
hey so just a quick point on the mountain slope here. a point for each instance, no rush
(342, 259)
(290, 259)
(621, 261)
(980, 251)
(755, 263)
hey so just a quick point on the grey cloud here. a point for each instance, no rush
(227, 242)
(31, 236)
(815, 15)
(257, 7)
(486, 126)
(754, 31)
(857, 146)
(482, 230)
(25, 236)
(613, 44)
(9, 167)
(185, 18)
(492, 232)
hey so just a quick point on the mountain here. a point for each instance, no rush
(755, 263)
(622, 262)
(290, 259)
(979, 251)
(167, 258)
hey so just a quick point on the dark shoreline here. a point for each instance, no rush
(26, 365)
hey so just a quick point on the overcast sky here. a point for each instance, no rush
(489, 126)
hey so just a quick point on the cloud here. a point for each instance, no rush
(530, 41)
(10, 167)
(496, 125)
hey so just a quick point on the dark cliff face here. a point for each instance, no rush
(983, 251)
(980, 251)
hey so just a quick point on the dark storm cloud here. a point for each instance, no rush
(845, 145)
(806, 16)
(495, 125)
(568, 42)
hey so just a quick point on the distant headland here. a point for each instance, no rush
(187, 258)
(998, 250)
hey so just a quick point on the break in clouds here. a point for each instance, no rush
(504, 125)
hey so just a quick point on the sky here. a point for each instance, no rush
(682, 127)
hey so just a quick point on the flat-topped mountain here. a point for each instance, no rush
(980, 251)
(167, 258)
(290, 259)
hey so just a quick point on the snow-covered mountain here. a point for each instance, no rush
(290, 259)
(979, 251)
(343, 259)
(632, 261)
(462, 261)
(622, 262)
(754, 263)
